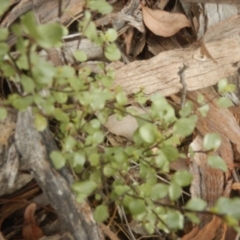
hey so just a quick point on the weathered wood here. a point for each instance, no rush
(160, 73)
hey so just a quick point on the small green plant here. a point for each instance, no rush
(81, 102)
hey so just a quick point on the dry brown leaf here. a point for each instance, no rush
(164, 23)
(31, 231)
(210, 231)
(128, 39)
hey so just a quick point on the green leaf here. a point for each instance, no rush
(174, 220)
(187, 109)
(78, 160)
(204, 110)
(218, 163)
(211, 141)
(85, 187)
(200, 98)
(121, 189)
(50, 35)
(228, 206)
(182, 178)
(3, 31)
(148, 132)
(4, 6)
(69, 143)
(58, 159)
(3, 48)
(224, 102)
(60, 97)
(174, 191)
(60, 115)
(196, 204)
(100, 5)
(27, 83)
(80, 55)
(30, 24)
(170, 152)
(111, 35)
(121, 98)
(222, 84)
(193, 218)
(40, 122)
(162, 109)
(224, 87)
(185, 126)
(3, 113)
(101, 213)
(112, 53)
(137, 207)
(159, 191)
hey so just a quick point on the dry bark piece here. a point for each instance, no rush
(163, 23)
(159, 74)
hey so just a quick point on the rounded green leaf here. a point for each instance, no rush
(222, 84)
(159, 191)
(217, 162)
(101, 213)
(85, 187)
(211, 141)
(40, 122)
(4, 6)
(50, 35)
(111, 35)
(112, 53)
(148, 132)
(170, 152)
(3, 32)
(204, 110)
(224, 102)
(185, 126)
(174, 220)
(182, 178)
(196, 204)
(80, 56)
(137, 207)
(174, 191)
(58, 159)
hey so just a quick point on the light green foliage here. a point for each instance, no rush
(4, 6)
(185, 126)
(224, 87)
(211, 141)
(101, 213)
(224, 102)
(80, 103)
(196, 204)
(182, 178)
(40, 122)
(204, 110)
(217, 162)
(58, 159)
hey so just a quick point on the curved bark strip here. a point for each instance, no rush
(160, 73)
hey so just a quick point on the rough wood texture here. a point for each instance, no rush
(76, 221)
(160, 73)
